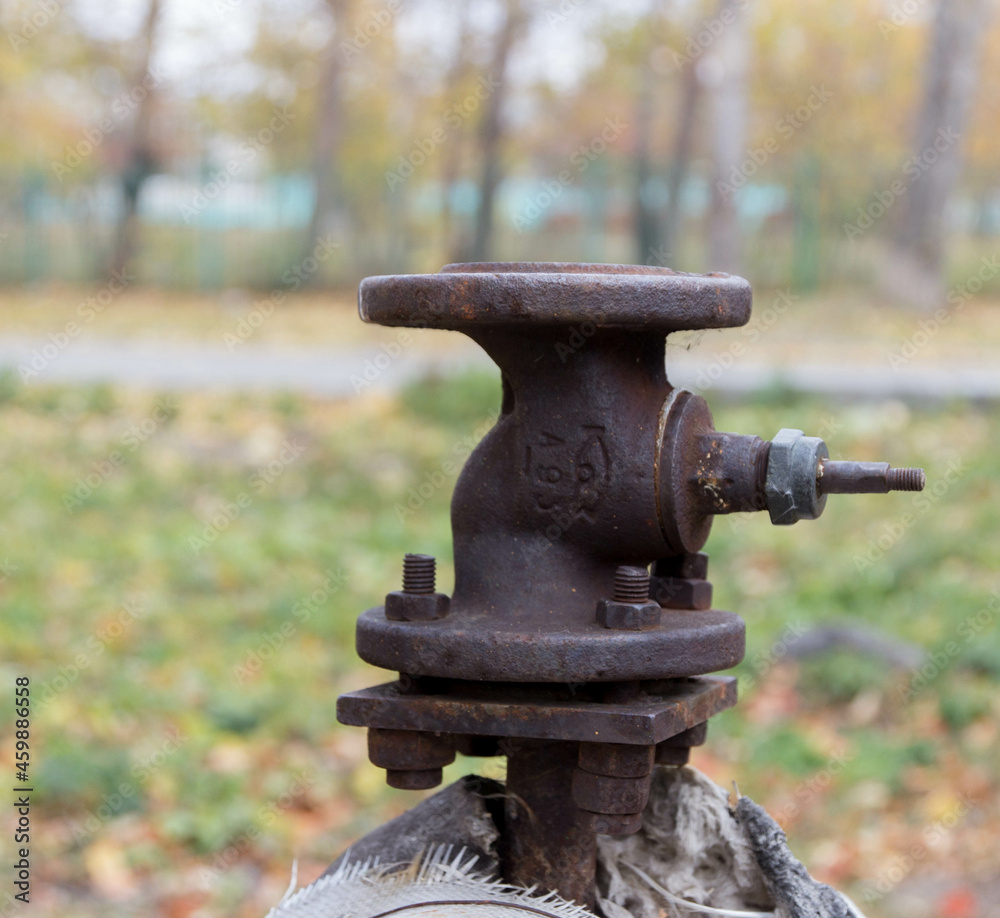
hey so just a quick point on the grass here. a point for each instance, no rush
(185, 601)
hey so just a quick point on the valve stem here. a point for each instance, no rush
(848, 477)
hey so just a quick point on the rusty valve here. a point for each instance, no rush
(558, 645)
(596, 466)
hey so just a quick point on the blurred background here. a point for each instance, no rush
(209, 466)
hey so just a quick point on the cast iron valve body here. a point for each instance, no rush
(596, 462)
(559, 647)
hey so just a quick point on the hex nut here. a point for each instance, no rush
(790, 486)
(672, 755)
(413, 778)
(681, 593)
(628, 616)
(692, 566)
(605, 794)
(618, 759)
(693, 736)
(416, 607)
(676, 749)
(478, 746)
(409, 750)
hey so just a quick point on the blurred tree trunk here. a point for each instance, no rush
(140, 158)
(681, 160)
(730, 57)
(644, 216)
(914, 271)
(492, 129)
(329, 128)
(453, 149)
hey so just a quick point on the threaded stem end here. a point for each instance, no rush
(906, 479)
(418, 573)
(631, 584)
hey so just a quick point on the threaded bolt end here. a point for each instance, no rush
(419, 573)
(906, 479)
(631, 584)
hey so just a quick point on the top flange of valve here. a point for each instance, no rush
(639, 297)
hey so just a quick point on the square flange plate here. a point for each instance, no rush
(542, 711)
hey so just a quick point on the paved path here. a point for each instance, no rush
(337, 373)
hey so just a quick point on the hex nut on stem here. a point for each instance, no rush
(790, 489)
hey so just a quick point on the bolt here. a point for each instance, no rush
(417, 601)
(631, 584)
(419, 573)
(630, 608)
(684, 567)
(678, 582)
(676, 749)
(413, 778)
(412, 759)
